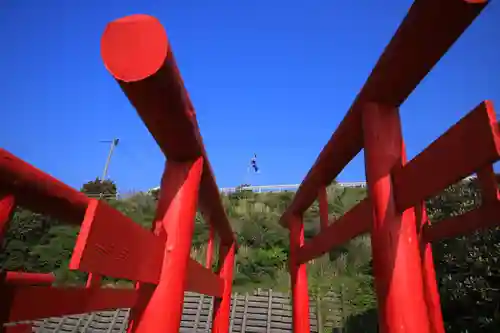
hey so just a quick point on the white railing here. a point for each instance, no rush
(276, 188)
(289, 187)
(282, 188)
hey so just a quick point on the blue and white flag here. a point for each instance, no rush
(253, 163)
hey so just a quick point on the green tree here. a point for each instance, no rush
(467, 267)
(95, 188)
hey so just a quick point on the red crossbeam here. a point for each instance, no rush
(355, 222)
(427, 32)
(34, 302)
(483, 217)
(471, 144)
(40, 192)
(486, 216)
(23, 278)
(136, 51)
(111, 244)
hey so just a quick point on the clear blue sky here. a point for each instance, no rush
(271, 77)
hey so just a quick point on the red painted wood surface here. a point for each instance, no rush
(7, 207)
(40, 192)
(486, 216)
(471, 144)
(34, 302)
(431, 291)
(136, 51)
(222, 306)
(298, 278)
(396, 254)
(23, 278)
(429, 29)
(210, 249)
(355, 222)
(176, 214)
(202, 280)
(323, 207)
(109, 243)
(132, 252)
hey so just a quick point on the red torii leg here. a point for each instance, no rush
(298, 278)
(396, 257)
(222, 306)
(179, 195)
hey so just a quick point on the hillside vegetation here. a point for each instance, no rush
(467, 268)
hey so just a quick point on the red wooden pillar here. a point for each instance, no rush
(7, 207)
(210, 248)
(323, 207)
(222, 306)
(431, 291)
(396, 256)
(298, 278)
(179, 198)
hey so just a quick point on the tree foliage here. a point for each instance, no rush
(467, 268)
(96, 187)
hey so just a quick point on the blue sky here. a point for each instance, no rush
(272, 77)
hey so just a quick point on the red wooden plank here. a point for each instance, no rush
(355, 222)
(35, 302)
(136, 51)
(112, 244)
(429, 29)
(202, 280)
(23, 278)
(40, 192)
(471, 144)
(484, 217)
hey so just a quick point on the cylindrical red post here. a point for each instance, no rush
(298, 278)
(323, 207)
(163, 311)
(136, 51)
(210, 248)
(7, 206)
(222, 306)
(396, 256)
(431, 291)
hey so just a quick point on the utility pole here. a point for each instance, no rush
(114, 143)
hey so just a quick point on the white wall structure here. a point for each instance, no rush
(276, 188)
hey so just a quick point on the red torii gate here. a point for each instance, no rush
(394, 212)
(136, 51)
